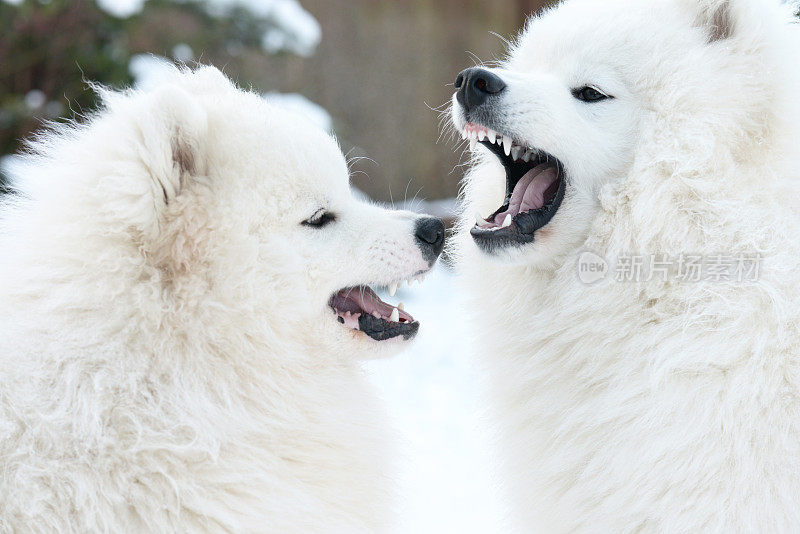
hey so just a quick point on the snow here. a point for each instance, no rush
(121, 8)
(296, 30)
(293, 29)
(183, 52)
(431, 392)
(299, 104)
(290, 27)
(148, 70)
(35, 99)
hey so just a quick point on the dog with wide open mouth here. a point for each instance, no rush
(638, 134)
(535, 185)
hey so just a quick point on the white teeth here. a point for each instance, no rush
(480, 221)
(395, 316)
(392, 289)
(507, 221)
(464, 134)
(507, 145)
(527, 156)
(481, 135)
(492, 136)
(401, 306)
(515, 152)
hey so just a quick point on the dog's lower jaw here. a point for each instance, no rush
(540, 258)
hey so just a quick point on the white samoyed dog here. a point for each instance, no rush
(660, 136)
(184, 306)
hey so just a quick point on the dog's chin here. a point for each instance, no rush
(536, 255)
(362, 347)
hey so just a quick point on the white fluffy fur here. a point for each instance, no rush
(653, 406)
(168, 359)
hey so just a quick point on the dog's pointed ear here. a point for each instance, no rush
(172, 132)
(718, 18)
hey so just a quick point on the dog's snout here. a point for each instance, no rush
(429, 233)
(475, 85)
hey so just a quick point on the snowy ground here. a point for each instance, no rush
(431, 393)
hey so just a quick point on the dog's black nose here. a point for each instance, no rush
(429, 232)
(475, 85)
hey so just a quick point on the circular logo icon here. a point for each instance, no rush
(591, 267)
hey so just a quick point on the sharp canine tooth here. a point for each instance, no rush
(395, 316)
(480, 221)
(515, 152)
(464, 134)
(392, 289)
(401, 306)
(507, 145)
(492, 136)
(507, 221)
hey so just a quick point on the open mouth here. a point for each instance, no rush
(535, 187)
(359, 308)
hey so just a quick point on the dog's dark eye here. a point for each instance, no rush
(589, 94)
(319, 219)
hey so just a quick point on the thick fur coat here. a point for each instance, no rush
(653, 405)
(168, 358)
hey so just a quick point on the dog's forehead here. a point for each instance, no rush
(305, 163)
(279, 147)
(608, 31)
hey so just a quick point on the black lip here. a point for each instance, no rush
(382, 330)
(525, 225)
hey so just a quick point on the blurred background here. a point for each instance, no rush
(372, 72)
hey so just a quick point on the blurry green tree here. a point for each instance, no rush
(381, 67)
(49, 49)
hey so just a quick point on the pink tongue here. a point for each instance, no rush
(534, 195)
(529, 193)
(357, 300)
